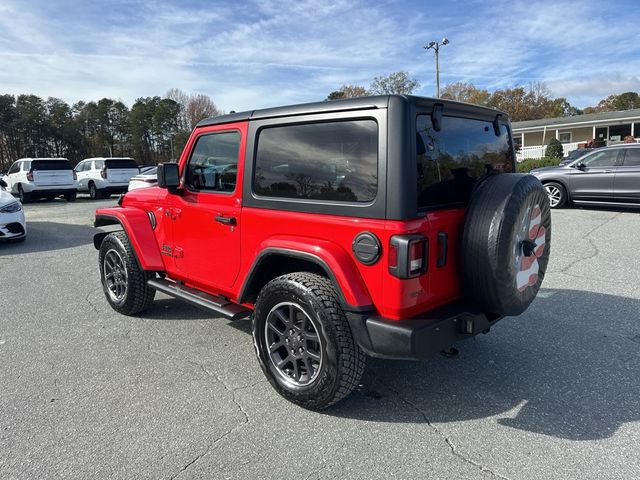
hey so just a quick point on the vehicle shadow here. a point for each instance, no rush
(48, 236)
(167, 308)
(567, 368)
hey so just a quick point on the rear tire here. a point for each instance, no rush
(303, 341)
(557, 194)
(94, 193)
(124, 283)
(23, 196)
(70, 196)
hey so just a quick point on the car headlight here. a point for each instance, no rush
(11, 208)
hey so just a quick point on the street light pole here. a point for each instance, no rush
(435, 46)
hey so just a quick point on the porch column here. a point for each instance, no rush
(522, 143)
(557, 134)
(594, 133)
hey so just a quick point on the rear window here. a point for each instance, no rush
(335, 161)
(51, 165)
(121, 163)
(451, 161)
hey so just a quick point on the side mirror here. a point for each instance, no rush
(168, 176)
(3, 183)
(581, 166)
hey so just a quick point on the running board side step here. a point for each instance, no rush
(215, 303)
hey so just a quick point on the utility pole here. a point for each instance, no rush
(436, 48)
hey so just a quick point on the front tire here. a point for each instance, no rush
(124, 283)
(303, 341)
(557, 194)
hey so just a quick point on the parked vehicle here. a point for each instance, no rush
(606, 176)
(32, 178)
(102, 176)
(13, 226)
(146, 178)
(574, 155)
(387, 225)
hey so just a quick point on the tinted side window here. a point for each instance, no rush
(336, 161)
(214, 162)
(606, 158)
(632, 157)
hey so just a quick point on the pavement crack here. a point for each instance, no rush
(194, 460)
(450, 444)
(245, 420)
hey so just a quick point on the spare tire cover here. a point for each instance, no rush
(506, 243)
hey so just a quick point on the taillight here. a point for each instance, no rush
(30, 175)
(408, 256)
(103, 172)
(416, 257)
(75, 175)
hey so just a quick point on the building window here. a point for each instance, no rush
(564, 137)
(517, 143)
(618, 132)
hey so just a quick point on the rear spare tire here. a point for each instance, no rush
(506, 243)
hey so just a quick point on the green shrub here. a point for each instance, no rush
(554, 149)
(526, 165)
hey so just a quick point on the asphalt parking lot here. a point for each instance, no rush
(88, 393)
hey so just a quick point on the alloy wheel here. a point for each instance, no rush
(115, 275)
(555, 195)
(295, 348)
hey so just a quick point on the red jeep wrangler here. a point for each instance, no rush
(391, 226)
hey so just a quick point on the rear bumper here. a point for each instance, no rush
(420, 337)
(51, 190)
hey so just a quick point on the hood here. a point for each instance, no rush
(6, 198)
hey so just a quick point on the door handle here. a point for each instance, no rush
(226, 220)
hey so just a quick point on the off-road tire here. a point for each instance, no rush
(139, 296)
(343, 361)
(506, 243)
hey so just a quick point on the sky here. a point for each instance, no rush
(248, 54)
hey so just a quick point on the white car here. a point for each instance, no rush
(12, 224)
(147, 177)
(31, 178)
(102, 176)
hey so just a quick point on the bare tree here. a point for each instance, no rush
(394, 83)
(200, 107)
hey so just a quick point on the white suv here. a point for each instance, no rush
(32, 178)
(12, 225)
(102, 176)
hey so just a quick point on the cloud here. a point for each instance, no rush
(275, 52)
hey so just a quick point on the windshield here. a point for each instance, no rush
(451, 160)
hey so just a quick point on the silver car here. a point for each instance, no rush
(606, 176)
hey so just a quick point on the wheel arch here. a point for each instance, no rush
(273, 262)
(137, 226)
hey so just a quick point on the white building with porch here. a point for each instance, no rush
(607, 128)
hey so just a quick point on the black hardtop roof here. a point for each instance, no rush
(360, 103)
